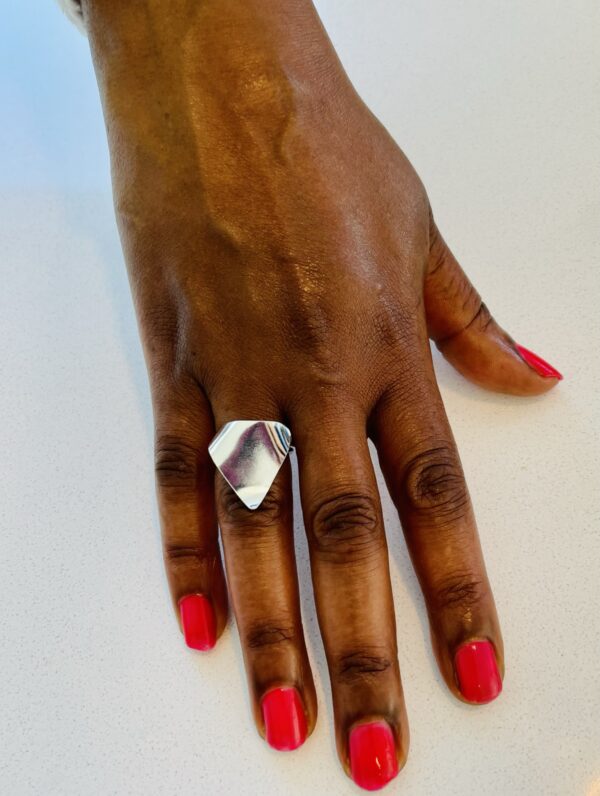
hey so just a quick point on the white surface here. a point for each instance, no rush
(496, 103)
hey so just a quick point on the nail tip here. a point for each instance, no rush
(375, 787)
(200, 646)
(491, 696)
(541, 367)
(553, 374)
(282, 747)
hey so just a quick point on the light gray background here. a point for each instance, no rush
(496, 103)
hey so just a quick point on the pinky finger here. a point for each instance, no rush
(185, 492)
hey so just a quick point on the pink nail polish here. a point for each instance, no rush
(538, 364)
(477, 672)
(198, 622)
(285, 722)
(373, 760)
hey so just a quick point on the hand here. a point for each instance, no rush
(285, 265)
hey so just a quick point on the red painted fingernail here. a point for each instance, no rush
(285, 722)
(477, 671)
(198, 621)
(373, 760)
(537, 363)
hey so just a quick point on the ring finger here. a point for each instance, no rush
(263, 587)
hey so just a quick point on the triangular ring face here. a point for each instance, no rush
(249, 454)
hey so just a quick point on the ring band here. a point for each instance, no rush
(249, 454)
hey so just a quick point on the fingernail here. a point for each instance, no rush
(285, 722)
(373, 760)
(477, 671)
(537, 363)
(198, 621)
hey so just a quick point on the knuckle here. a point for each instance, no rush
(394, 325)
(360, 665)
(176, 462)
(234, 514)
(459, 591)
(309, 326)
(481, 317)
(473, 308)
(347, 524)
(310, 330)
(261, 635)
(435, 485)
(159, 321)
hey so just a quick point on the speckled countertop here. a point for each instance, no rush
(497, 105)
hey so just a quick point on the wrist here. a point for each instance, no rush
(205, 93)
(235, 43)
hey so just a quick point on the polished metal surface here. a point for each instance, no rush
(248, 454)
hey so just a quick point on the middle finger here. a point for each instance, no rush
(350, 573)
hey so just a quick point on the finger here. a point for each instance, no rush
(422, 468)
(353, 594)
(468, 336)
(185, 490)
(263, 586)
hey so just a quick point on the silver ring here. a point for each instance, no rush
(249, 454)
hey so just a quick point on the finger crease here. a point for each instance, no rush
(482, 311)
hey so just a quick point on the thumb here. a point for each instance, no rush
(468, 336)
